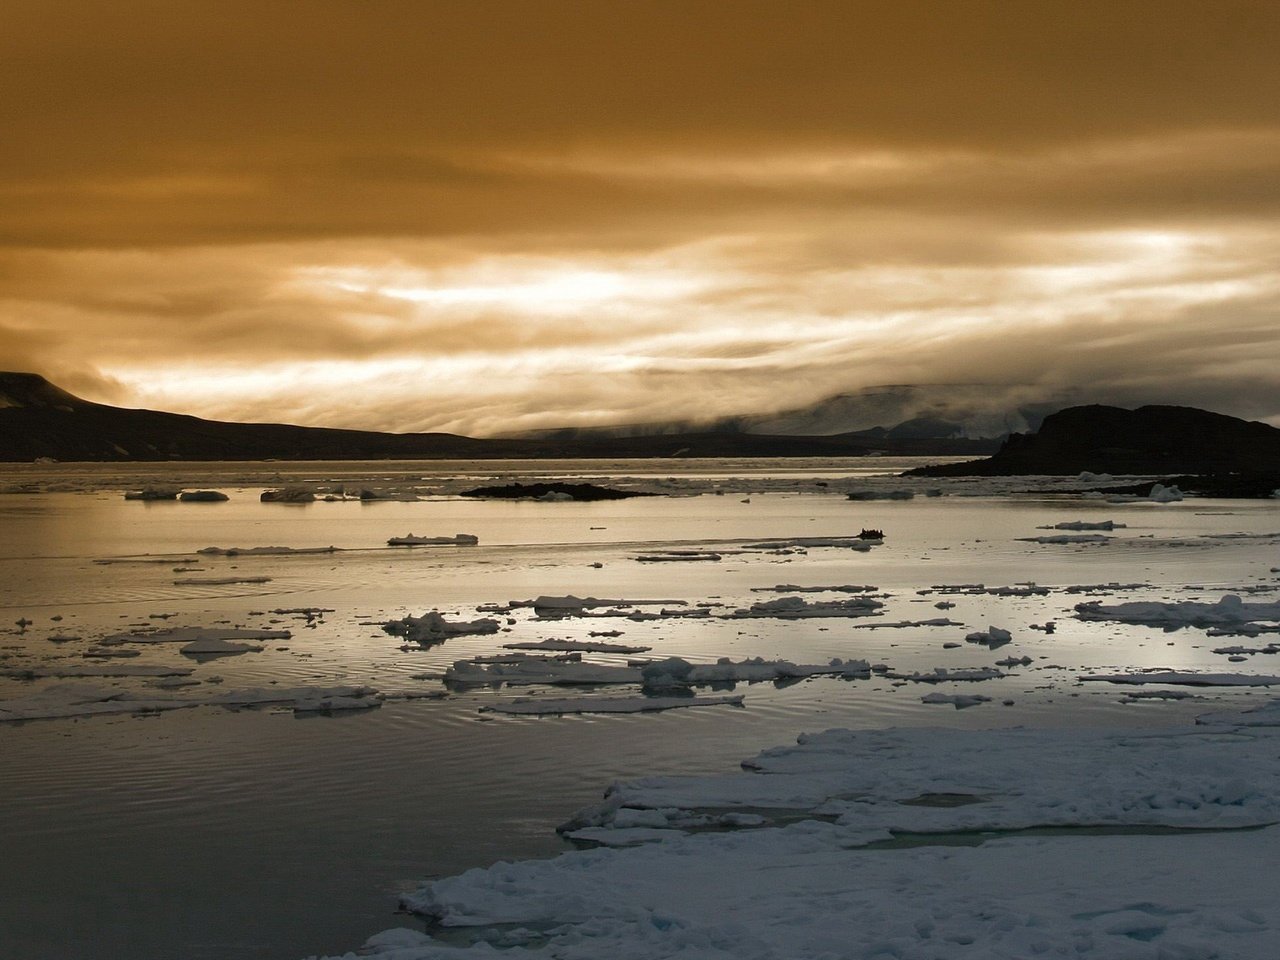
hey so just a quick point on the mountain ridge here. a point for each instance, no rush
(40, 420)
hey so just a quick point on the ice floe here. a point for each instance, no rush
(218, 647)
(261, 551)
(83, 700)
(532, 707)
(1187, 678)
(153, 493)
(798, 608)
(786, 878)
(958, 700)
(673, 672)
(458, 539)
(946, 675)
(291, 494)
(1229, 609)
(1079, 525)
(794, 588)
(1069, 538)
(579, 646)
(95, 670)
(1159, 494)
(992, 637)
(680, 556)
(203, 496)
(431, 627)
(195, 635)
(218, 581)
(524, 672)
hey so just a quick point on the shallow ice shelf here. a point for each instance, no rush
(802, 889)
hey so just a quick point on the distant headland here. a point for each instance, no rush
(1202, 452)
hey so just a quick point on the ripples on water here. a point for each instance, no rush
(251, 833)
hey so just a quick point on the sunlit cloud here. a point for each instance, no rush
(514, 216)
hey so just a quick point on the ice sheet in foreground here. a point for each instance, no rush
(793, 883)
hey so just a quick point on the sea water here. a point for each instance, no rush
(258, 833)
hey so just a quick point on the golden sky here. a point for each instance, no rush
(484, 215)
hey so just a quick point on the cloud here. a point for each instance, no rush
(476, 217)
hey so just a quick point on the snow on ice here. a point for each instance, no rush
(799, 875)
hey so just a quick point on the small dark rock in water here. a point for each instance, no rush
(553, 491)
(203, 496)
(871, 534)
(152, 493)
(291, 494)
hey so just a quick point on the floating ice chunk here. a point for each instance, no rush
(753, 669)
(1187, 678)
(335, 703)
(195, 634)
(153, 493)
(81, 700)
(993, 637)
(215, 646)
(680, 556)
(897, 624)
(944, 675)
(95, 670)
(295, 493)
(793, 588)
(957, 700)
(98, 652)
(570, 606)
(530, 707)
(255, 696)
(431, 627)
(540, 671)
(78, 700)
(797, 608)
(218, 581)
(1241, 651)
(1229, 609)
(1069, 538)
(580, 646)
(1159, 494)
(203, 496)
(855, 542)
(1085, 525)
(368, 494)
(261, 551)
(1112, 587)
(458, 539)
(522, 657)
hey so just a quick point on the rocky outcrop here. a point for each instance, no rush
(1152, 440)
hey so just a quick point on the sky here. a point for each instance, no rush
(492, 215)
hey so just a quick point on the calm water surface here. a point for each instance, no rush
(212, 833)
